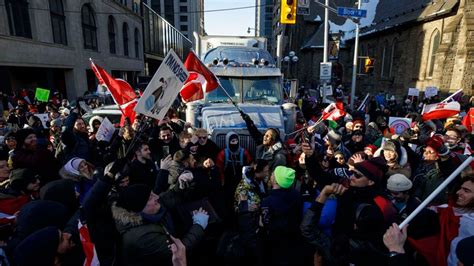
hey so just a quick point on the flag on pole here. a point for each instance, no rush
(334, 111)
(456, 96)
(440, 110)
(200, 79)
(121, 91)
(87, 246)
(363, 105)
(42, 95)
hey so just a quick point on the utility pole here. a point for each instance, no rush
(356, 59)
(325, 50)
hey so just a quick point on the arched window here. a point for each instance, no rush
(125, 39)
(392, 56)
(89, 29)
(385, 73)
(58, 21)
(434, 45)
(418, 55)
(111, 29)
(18, 18)
(137, 43)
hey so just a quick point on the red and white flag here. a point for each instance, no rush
(200, 80)
(440, 110)
(334, 111)
(87, 246)
(122, 93)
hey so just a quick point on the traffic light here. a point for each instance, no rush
(288, 12)
(369, 65)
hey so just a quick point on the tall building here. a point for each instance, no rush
(264, 20)
(185, 15)
(48, 43)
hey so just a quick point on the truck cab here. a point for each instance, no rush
(251, 79)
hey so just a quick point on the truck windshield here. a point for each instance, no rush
(266, 90)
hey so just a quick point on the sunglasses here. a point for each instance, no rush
(356, 174)
(202, 137)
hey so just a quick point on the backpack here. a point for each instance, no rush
(226, 154)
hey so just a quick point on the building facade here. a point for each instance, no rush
(185, 15)
(264, 20)
(48, 43)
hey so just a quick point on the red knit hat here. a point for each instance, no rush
(437, 144)
(372, 147)
(370, 169)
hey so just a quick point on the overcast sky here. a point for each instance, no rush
(232, 22)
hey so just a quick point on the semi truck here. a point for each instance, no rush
(250, 77)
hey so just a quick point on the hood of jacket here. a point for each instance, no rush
(227, 141)
(402, 155)
(124, 219)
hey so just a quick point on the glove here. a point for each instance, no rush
(201, 218)
(117, 166)
(245, 117)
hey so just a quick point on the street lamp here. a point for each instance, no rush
(290, 59)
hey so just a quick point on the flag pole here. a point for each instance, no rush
(436, 192)
(363, 101)
(451, 96)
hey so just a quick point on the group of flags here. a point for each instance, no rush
(200, 80)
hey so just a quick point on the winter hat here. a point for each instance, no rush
(399, 183)
(358, 122)
(372, 147)
(62, 191)
(334, 137)
(284, 176)
(72, 166)
(370, 170)
(464, 251)
(437, 143)
(342, 173)
(21, 135)
(56, 123)
(134, 198)
(39, 248)
(21, 177)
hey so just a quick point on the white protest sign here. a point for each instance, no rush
(413, 92)
(399, 124)
(163, 87)
(328, 90)
(430, 92)
(44, 119)
(105, 131)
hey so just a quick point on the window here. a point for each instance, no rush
(183, 18)
(392, 56)
(418, 55)
(111, 29)
(434, 45)
(137, 43)
(184, 27)
(18, 18)
(183, 9)
(385, 73)
(58, 21)
(125, 39)
(89, 30)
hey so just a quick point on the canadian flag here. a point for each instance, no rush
(200, 79)
(468, 120)
(440, 110)
(334, 111)
(122, 93)
(87, 246)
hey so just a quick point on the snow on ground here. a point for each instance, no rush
(348, 28)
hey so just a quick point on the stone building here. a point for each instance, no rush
(415, 44)
(48, 43)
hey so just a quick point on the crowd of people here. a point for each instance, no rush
(163, 193)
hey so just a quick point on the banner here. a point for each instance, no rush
(44, 119)
(42, 95)
(163, 87)
(105, 131)
(399, 124)
(413, 92)
(440, 110)
(430, 92)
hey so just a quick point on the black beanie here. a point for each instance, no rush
(21, 135)
(62, 191)
(134, 198)
(39, 248)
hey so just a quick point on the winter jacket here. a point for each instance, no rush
(41, 161)
(143, 173)
(274, 155)
(77, 144)
(146, 243)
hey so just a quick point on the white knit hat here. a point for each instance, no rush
(399, 183)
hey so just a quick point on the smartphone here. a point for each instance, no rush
(166, 151)
(306, 137)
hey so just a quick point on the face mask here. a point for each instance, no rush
(233, 147)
